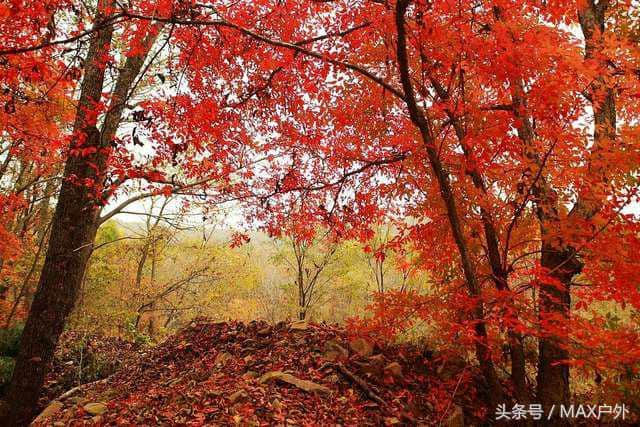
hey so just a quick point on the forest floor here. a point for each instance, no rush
(252, 374)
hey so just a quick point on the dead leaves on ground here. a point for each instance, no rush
(257, 374)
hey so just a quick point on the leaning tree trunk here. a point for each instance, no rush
(72, 232)
(75, 221)
(500, 275)
(495, 393)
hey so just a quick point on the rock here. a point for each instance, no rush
(376, 359)
(331, 355)
(222, 358)
(300, 325)
(95, 408)
(375, 369)
(456, 419)
(394, 369)
(361, 346)
(213, 393)
(264, 331)
(51, 409)
(80, 401)
(280, 325)
(334, 351)
(277, 405)
(308, 386)
(333, 378)
(249, 375)
(238, 395)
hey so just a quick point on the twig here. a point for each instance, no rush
(361, 383)
(453, 396)
(81, 387)
(40, 418)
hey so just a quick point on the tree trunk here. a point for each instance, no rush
(75, 221)
(302, 303)
(27, 278)
(562, 261)
(7, 161)
(73, 229)
(495, 394)
(500, 275)
(555, 301)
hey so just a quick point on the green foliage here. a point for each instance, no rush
(629, 388)
(6, 370)
(612, 321)
(10, 341)
(136, 336)
(254, 281)
(108, 232)
(93, 365)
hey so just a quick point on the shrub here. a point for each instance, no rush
(6, 369)
(10, 341)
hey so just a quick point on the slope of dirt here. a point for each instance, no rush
(257, 374)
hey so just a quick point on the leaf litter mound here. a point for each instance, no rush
(232, 373)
